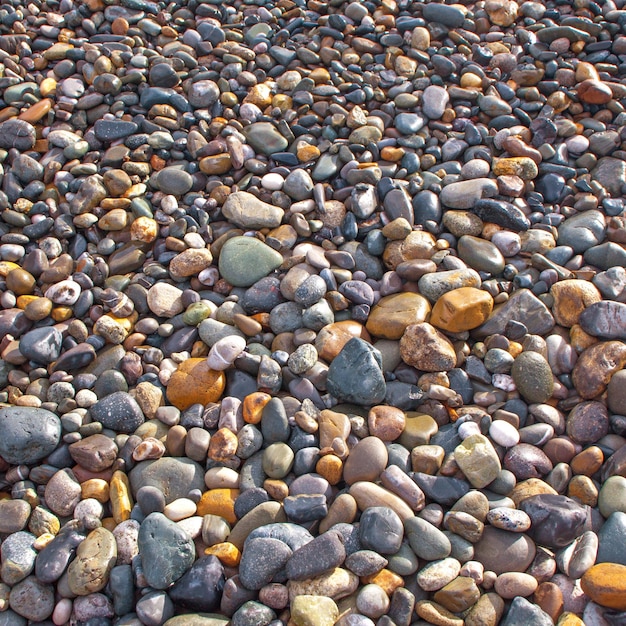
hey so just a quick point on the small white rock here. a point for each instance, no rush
(65, 292)
(503, 433)
(225, 351)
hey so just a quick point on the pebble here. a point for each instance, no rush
(331, 270)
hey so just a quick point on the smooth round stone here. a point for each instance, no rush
(434, 101)
(174, 181)
(65, 292)
(298, 185)
(502, 551)
(390, 317)
(372, 601)
(381, 530)
(224, 352)
(426, 540)
(28, 434)
(277, 460)
(18, 134)
(604, 584)
(533, 377)
(481, 255)
(612, 496)
(366, 461)
(512, 584)
(245, 260)
(610, 546)
(595, 367)
(575, 559)
(265, 138)
(438, 574)
(503, 433)
(588, 422)
(434, 285)
(513, 520)
(261, 559)
(32, 599)
(95, 557)
(582, 231)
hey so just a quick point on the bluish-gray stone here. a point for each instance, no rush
(42, 345)
(119, 412)
(28, 434)
(355, 374)
(166, 550)
(261, 560)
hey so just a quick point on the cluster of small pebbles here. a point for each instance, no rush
(312, 312)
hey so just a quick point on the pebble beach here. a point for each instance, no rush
(312, 313)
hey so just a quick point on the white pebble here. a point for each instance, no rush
(467, 429)
(180, 509)
(503, 433)
(86, 398)
(225, 351)
(272, 181)
(64, 292)
(191, 525)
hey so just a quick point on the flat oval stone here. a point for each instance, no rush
(366, 461)
(605, 584)
(392, 314)
(95, 558)
(533, 377)
(438, 574)
(245, 260)
(247, 211)
(502, 551)
(465, 194)
(426, 540)
(28, 434)
(167, 551)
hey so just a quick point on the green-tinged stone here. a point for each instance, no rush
(244, 260)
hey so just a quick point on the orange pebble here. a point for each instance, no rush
(253, 406)
(330, 467)
(385, 579)
(219, 502)
(226, 552)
